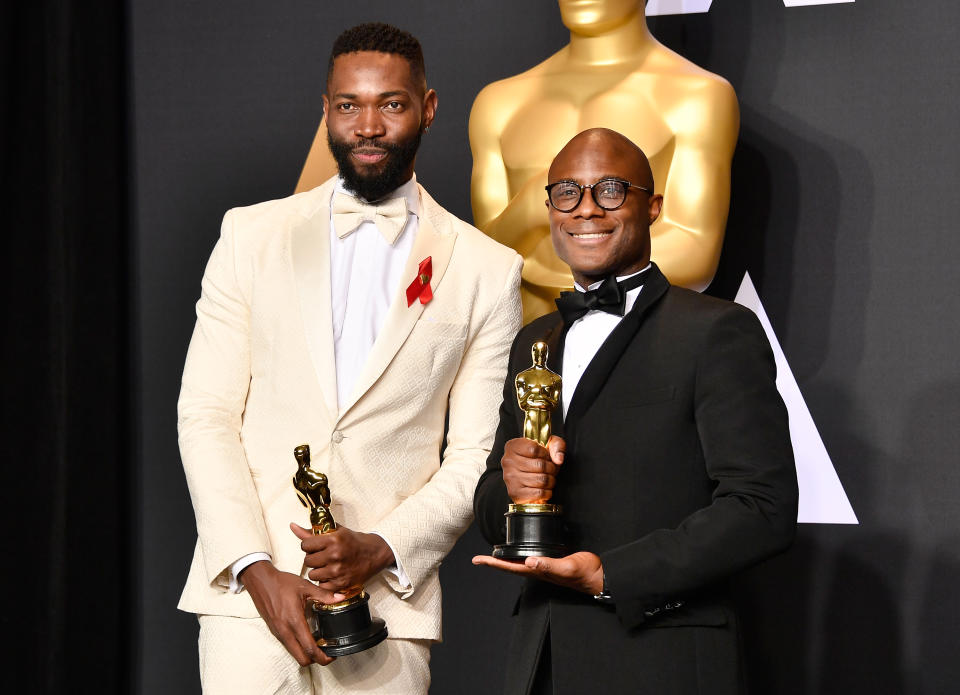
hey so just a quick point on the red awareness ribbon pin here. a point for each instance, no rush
(420, 287)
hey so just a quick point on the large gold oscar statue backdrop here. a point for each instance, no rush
(613, 74)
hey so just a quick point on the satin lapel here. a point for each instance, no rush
(603, 363)
(310, 249)
(435, 238)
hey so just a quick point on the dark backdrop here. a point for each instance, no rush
(843, 205)
(68, 464)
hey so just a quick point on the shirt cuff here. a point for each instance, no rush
(236, 586)
(396, 569)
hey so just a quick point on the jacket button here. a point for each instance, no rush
(337, 437)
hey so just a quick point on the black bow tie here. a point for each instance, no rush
(610, 297)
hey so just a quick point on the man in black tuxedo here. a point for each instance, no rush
(671, 456)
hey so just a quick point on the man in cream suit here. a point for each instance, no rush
(354, 317)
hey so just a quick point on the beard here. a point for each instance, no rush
(374, 186)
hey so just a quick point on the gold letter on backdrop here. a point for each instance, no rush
(613, 74)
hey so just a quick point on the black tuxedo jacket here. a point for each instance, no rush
(679, 472)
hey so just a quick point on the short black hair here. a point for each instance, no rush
(382, 38)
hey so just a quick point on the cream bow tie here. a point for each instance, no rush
(348, 213)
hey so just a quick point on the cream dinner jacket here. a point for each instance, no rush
(260, 379)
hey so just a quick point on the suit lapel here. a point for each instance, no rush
(435, 238)
(603, 363)
(310, 249)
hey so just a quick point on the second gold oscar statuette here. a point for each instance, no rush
(535, 528)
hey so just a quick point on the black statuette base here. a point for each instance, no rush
(348, 629)
(532, 534)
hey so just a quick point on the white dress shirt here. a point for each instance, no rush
(365, 275)
(585, 337)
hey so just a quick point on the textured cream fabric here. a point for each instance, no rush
(259, 380)
(239, 656)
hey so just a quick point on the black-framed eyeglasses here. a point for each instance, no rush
(608, 194)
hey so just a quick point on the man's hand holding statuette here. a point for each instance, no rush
(281, 599)
(343, 559)
(530, 470)
(580, 571)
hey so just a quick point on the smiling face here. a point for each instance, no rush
(594, 242)
(376, 111)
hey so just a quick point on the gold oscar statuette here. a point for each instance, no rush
(345, 627)
(535, 528)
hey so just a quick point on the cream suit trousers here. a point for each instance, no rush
(239, 656)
